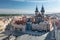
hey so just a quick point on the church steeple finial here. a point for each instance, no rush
(36, 9)
(42, 9)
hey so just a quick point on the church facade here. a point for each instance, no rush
(39, 16)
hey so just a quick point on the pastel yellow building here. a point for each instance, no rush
(3, 24)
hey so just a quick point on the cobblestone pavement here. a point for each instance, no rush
(30, 36)
(45, 36)
(2, 36)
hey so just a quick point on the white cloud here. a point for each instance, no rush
(30, 0)
(53, 10)
(24, 11)
(17, 0)
(35, 0)
(38, 0)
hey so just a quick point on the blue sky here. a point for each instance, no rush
(28, 6)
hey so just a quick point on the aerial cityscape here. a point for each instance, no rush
(29, 20)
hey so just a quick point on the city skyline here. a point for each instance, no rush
(28, 6)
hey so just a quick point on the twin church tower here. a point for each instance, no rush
(39, 16)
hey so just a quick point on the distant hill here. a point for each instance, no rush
(16, 14)
(54, 14)
(10, 14)
(19, 14)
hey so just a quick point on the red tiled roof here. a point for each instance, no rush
(20, 22)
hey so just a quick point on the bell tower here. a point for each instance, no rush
(42, 11)
(36, 11)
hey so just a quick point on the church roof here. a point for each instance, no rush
(39, 15)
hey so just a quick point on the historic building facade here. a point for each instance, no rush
(36, 22)
(39, 16)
